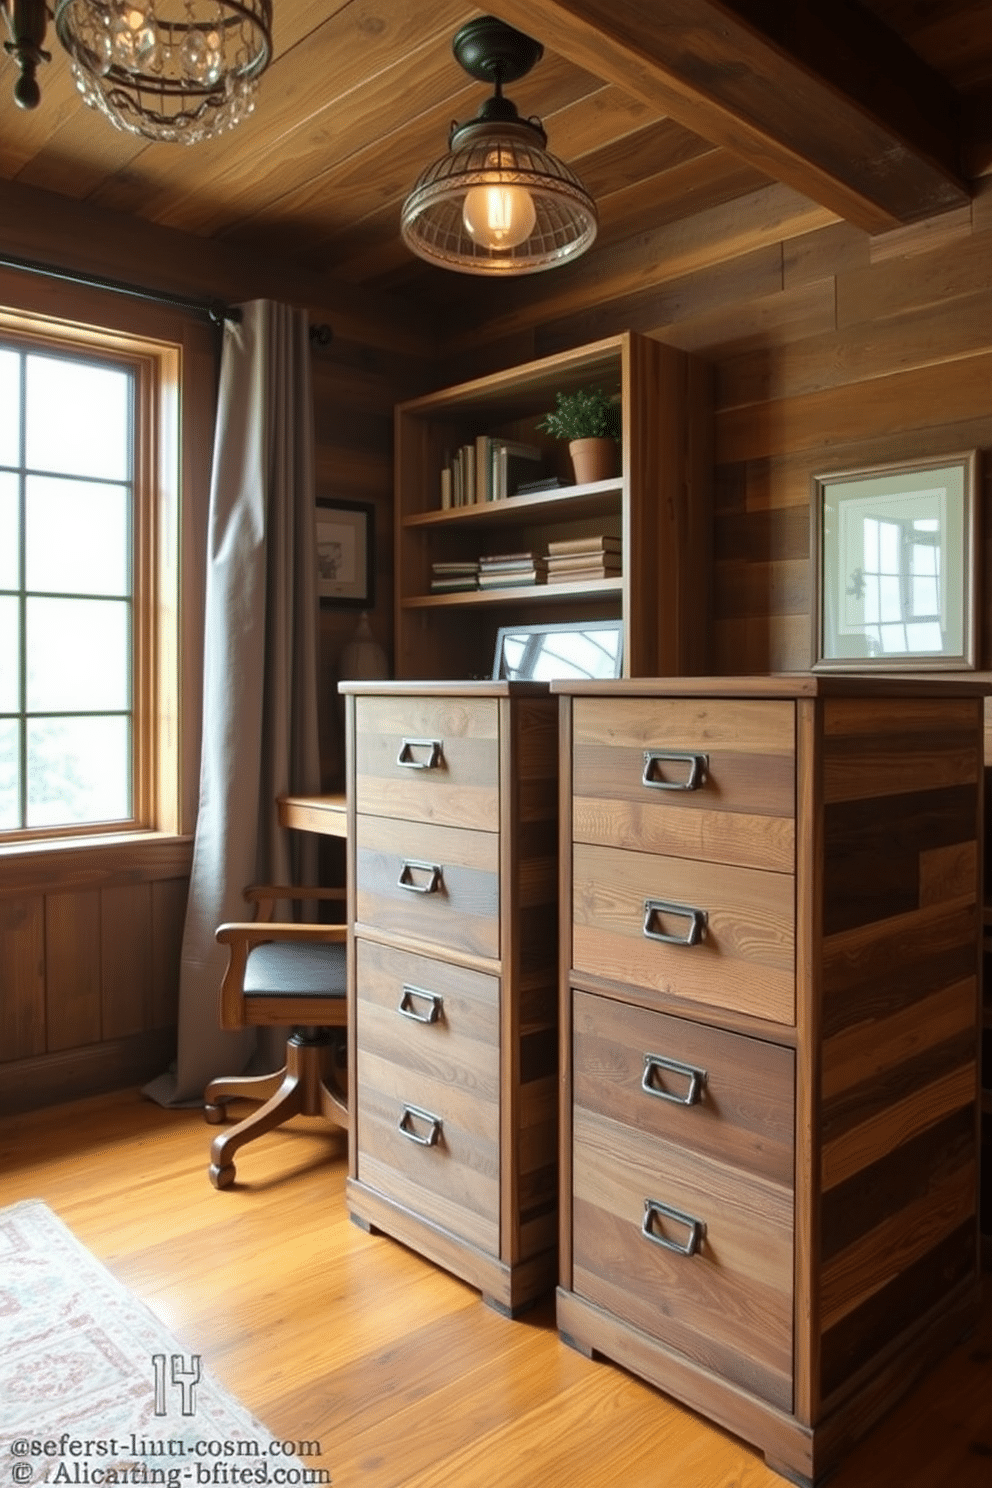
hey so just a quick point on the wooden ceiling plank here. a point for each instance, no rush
(699, 62)
(370, 146)
(366, 189)
(954, 35)
(312, 95)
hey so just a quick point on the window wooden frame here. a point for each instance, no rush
(157, 761)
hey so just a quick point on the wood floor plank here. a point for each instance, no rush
(397, 1369)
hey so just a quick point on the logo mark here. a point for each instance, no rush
(184, 1375)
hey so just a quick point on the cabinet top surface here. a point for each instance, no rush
(484, 687)
(786, 685)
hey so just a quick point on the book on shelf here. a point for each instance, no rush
(582, 575)
(486, 468)
(511, 461)
(519, 577)
(448, 576)
(598, 543)
(532, 487)
(501, 571)
(506, 560)
(563, 562)
(453, 586)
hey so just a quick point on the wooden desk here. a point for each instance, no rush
(324, 814)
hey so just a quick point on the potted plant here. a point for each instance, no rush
(589, 419)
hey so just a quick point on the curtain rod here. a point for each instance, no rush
(213, 310)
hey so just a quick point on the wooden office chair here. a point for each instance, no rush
(283, 973)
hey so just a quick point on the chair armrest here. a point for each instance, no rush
(251, 933)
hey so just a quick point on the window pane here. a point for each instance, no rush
(10, 408)
(78, 771)
(9, 772)
(77, 418)
(9, 524)
(10, 652)
(76, 537)
(77, 655)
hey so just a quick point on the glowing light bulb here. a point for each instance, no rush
(499, 216)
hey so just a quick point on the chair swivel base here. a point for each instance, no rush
(310, 1084)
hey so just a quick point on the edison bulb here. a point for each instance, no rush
(499, 216)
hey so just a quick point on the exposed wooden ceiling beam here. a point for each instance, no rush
(818, 94)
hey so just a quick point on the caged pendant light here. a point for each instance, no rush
(498, 202)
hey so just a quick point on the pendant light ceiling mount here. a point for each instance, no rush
(498, 203)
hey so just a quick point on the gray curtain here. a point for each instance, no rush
(260, 671)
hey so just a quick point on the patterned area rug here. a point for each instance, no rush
(95, 1391)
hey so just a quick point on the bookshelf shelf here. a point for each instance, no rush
(599, 498)
(656, 510)
(591, 589)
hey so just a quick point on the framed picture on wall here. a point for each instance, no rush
(894, 554)
(345, 553)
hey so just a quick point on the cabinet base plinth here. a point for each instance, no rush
(802, 1454)
(508, 1290)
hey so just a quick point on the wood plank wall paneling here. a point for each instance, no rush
(90, 939)
(898, 1063)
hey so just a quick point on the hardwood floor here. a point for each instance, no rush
(400, 1371)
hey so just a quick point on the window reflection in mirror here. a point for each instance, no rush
(548, 653)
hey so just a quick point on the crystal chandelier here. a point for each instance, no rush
(175, 70)
(498, 203)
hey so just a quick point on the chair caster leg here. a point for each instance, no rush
(221, 1177)
(214, 1114)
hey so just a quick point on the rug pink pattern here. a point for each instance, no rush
(94, 1390)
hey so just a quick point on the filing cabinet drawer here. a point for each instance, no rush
(428, 1089)
(705, 778)
(709, 933)
(683, 1187)
(440, 884)
(428, 759)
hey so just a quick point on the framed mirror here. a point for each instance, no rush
(894, 551)
(548, 653)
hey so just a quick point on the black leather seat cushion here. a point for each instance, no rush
(278, 969)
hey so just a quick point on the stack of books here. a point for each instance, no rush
(487, 469)
(579, 559)
(504, 570)
(450, 578)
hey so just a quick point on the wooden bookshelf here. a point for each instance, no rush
(658, 505)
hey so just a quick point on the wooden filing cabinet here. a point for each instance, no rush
(769, 1018)
(453, 976)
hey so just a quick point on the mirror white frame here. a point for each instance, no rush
(894, 555)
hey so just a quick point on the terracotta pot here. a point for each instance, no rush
(593, 459)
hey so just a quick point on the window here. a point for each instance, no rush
(88, 510)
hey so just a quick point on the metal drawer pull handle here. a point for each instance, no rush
(696, 1078)
(433, 1123)
(697, 1229)
(410, 761)
(408, 1006)
(696, 917)
(406, 881)
(698, 766)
